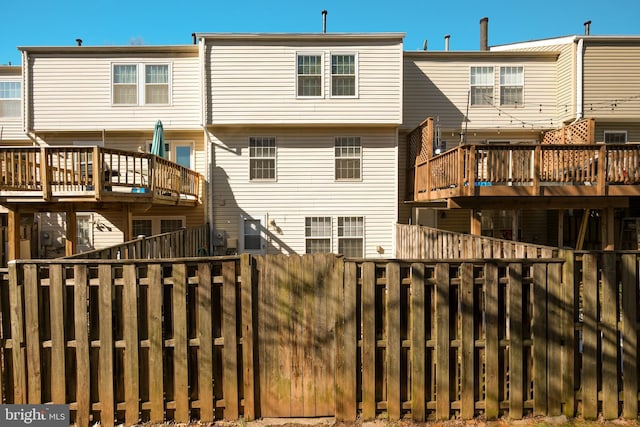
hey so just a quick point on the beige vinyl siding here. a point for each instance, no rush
(438, 86)
(305, 186)
(632, 129)
(612, 80)
(255, 82)
(73, 92)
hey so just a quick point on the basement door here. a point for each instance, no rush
(296, 337)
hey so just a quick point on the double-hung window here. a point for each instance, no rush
(511, 85)
(317, 233)
(351, 236)
(348, 158)
(482, 85)
(309, 75)
(262, 158)
(141, 84)
(343, 75)
(10, 99)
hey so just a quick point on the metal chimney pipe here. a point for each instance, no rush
(193, 38)
(79, 42)
(446, 42)
(587, 28)
(484, 34)
(324, 21)
(424, 45)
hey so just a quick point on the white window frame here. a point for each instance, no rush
(298, 75)
(309, 236)
(345, 237)
(355, 74)
(274, 158)
(346, 157)
(490, 84)
(171, 146)
(86, 217)
(12, 100)
(615, 132)
(262, 220)
(519, 84)
(156, 222)
(141, 85)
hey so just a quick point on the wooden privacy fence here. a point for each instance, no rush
(316, 335)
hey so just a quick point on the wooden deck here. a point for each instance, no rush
(71, 174)
(551, 171)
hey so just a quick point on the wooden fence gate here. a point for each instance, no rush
(296, 336)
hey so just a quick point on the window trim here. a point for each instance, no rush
(338, 237)
(88, 217)
(141, 84)
(275, 160)
(19, 99)
(262, 219)
(614, 132)
(156, 222)
(355, 74)
(500, 85)
(492, 85)
(322, 74)
(335, 159)
(318, 237)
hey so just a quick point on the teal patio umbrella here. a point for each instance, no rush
(157, 146)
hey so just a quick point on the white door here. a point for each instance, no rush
(252, 235)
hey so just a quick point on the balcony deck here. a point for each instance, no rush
(474, 175)
(71, 174)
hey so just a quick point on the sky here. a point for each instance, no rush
(171, 22)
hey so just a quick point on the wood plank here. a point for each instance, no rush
(339, 313)
(609, 336)
(204, 310)
(247, 296)
(230, 352)
(328, 271)
(568, 333)
(282, 372)
(17, 334)
(312, 343)
(58, 343)
(32, 332)
(516, 354)
(590, 354)
(443, 401)
(467, 375)
(350, 342)
(418, 341)
(83, 368)
(492, 349)
(180, 355)
(267, 335)
(394, 404)
(298, 337)
(554, 342)
(539, 326)
(155, 294)
(131, 361)
(105, 373)
(630, 336)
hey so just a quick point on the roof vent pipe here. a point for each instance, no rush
(324, 21)
(587, 28)
(193, 38)
(484, 34)
(79, 42)
(424, 45)
(446, 42)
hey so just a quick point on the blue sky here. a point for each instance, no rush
(118, 22)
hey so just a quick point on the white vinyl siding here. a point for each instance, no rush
(306, 187)
(482, 81)
(10, 93)
(74, 93)
(254, 81)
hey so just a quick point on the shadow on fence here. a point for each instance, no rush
(124, 341)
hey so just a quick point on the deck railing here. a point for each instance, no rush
(55, 171)
(469, 169)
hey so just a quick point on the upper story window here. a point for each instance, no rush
(135, 84)
(309, 75)
(511, 85)
(482, 85)
(348, 158)
(262, 158)
(10, 93)
(343, 75)
(615, 136)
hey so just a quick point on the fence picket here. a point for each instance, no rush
(492, 383)
(131, 363)
(443, 402)
(248, 333)
(204, 309)
(58, 343)
(393, 341)
(418, 340)
(156, 368)
(180, 337)
(105, 373)
(590, 354)
(516, 380)
(83, 369)
(540, 325)
(230, 355)
(630, 335)
(32, 332)
(467, 350)
(609, 337)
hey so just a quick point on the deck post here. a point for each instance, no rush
(607, 228)
(71, 233)
(13, 233)
(560, 228)
(515, 224)
(476, 222)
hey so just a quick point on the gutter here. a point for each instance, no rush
(579, 80)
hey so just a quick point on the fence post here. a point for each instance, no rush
(32, 332)
(18, 355)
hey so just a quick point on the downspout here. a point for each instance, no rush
(579, 80)
(26, 119)
(208, 164)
